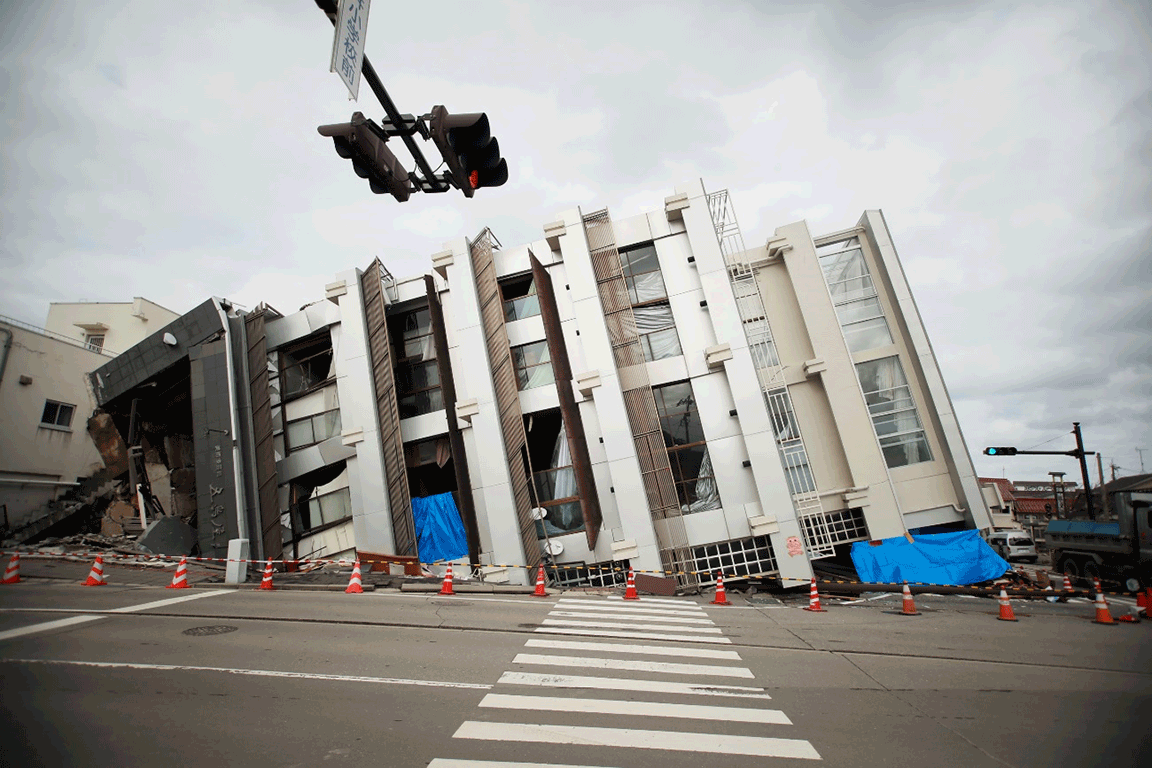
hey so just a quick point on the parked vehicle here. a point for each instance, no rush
(1116, 548)
(1013, 545)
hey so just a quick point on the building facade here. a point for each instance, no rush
(645, 392)
(101, 325)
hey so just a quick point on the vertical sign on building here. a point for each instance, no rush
(348, 45)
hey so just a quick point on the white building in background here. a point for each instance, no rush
(100, 325)
(645, 392)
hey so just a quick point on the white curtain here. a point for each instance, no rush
(562, 457)
(707, 494)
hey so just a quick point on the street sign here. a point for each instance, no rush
(348, 45)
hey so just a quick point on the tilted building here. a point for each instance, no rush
(645, 392)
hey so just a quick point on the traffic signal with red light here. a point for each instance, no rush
(360, 142)
(999, 451)
(469, 149)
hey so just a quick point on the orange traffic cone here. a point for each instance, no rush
(909, 608)
(180, 578)
(1006, 612)
(96, 575)
(446, 589)
(266, 582)
(814, 599)
(540, 584)
(354, 585)
(630, 590)
(1068, 584)
(12, 572)
(1130, 618)
(721, 598)
(1141, 596)
(1103, 616)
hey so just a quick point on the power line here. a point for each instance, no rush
(1047, 441)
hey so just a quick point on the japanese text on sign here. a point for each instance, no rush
(348, 45)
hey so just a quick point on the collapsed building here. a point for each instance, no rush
(644, 392)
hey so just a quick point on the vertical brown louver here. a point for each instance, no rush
(258, 386)
(384, 381)
(573, 423)
(639, 403)
(507, 393)
(455, 438)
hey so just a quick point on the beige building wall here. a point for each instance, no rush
(122, 324)
(38, 462)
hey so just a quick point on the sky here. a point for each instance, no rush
(169, 150)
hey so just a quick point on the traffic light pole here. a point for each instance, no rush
(1079, 453)
(429, 183)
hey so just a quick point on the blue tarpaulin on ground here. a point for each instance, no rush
(941, 558)
(439, 530)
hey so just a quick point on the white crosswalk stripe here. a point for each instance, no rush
(667, 667)
(626, 616)
(645, 708)
(632, 635)
(601, 605)
(627, 625)
(644, 650)
(626, 684)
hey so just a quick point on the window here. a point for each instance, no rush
(417, 372)
(324, 509)
(57, 414)
(687, 450)
(553, 476)
(311, 430)
(854, 295)
(533, 365)
(654, 322)
(894, 418)
(520, 300)
(305, 366)
(94, 341)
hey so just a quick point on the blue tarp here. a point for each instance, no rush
(941, 558)
(439, 530)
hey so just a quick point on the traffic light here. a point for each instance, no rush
(1000, 451)
(469, 149)
(371, 158)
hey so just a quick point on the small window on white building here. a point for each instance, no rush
(57, 414)
(894, 417)
(94, 341)
(533, 365)
(854, 295)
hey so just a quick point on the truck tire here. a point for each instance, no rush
(1091, 570)
(1070, 568)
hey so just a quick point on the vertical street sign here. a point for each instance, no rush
(348, 45)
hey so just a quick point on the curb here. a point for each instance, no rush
(286, 587)
(483, 589)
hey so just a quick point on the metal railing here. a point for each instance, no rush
(53, 335)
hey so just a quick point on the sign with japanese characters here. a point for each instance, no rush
(348, 45)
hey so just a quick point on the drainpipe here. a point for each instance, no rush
(4, 359)
(237, 466)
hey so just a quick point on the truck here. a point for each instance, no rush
(1116, 546)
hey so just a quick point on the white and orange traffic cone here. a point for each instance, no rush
(96, 575)
(540, 592)
(721, 597)
(180, 578)
(1006, 612)
(446, 588)
(1103, 615)
(1068, 584)
(12, 572)
(909, 607)
(630, 590)
(814, 599)
(354, 585)
(266, 582)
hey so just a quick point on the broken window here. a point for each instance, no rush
(520, 300)
(430, 469)
(533, 365)
(657, 331)
(687, 449)
(654, 322)
(417, 372)
(311, 430)
(318, 500)
(305, 365)
(553, 477)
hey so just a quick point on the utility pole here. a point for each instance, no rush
(1079, 453)
(1113, 467)
(1140, 451)
(1103, 494)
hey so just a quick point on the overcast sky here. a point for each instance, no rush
(169, 150)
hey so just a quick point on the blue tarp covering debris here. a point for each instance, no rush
(941, 558)
(439, 530)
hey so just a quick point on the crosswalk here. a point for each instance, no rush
(657, 697)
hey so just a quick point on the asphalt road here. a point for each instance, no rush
(302, 679)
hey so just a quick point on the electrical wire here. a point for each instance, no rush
(1046, 442)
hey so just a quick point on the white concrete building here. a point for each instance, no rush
(646, 391)
(101, 325)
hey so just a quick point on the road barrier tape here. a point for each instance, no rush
(318, 562)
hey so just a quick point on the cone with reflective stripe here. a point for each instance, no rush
(1103, 616)
(266, 582)
(446, 588)
(1068, 584)
(180, 578)
(721, 598)
(354, 584)
(96, 575)
(1006, 612)
(12, 572)
(909, 608)
(540, 584)
(630, 590)
(814, 599)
